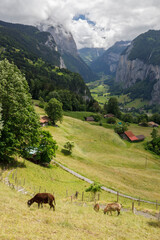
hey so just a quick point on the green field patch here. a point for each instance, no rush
(69, 221)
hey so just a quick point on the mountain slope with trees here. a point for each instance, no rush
(34, 53)
(90, 54)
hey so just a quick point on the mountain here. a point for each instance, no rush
(35, 54)
(68, 50)
(107, 63)
(28, 40)
(138, 71)
(90, 54)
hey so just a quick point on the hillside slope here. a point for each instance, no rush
(101, 155)
(69, 221)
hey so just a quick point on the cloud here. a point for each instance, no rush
(93, 23)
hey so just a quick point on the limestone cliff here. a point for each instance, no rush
(132, 70)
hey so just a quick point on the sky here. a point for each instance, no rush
(93, 23)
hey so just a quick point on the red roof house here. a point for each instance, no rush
(131, 136)
(44, 121)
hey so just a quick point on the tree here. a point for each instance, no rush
(20, 122)
(112, 107)
(154, 133)
(94, 188)
(54, 110)
(127, 117)
(47, 148)
(111, 120)
(69, 146)
(1, 123)
(120, 128)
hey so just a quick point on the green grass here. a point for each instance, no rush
(69, 221)
(101, 155)
(100, 92)
(78, 115)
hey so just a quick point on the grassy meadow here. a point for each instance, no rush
(69, 221)
(101, 155)
(98, 154)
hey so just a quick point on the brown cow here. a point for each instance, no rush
(41, 198)
(113, 207)
(96, 207)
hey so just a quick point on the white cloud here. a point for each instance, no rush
(114, 20)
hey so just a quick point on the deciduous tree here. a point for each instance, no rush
(20, 122)
(54, 110)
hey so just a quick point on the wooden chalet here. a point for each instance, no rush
(109, 115)
(153, 124)
(89, 119)
(44, 121)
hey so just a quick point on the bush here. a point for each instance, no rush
(111, 120)
(120, 128)
(97, 117)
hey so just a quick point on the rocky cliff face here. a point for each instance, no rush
(63, 39)
(90, 54)
(108, 62)
(66, 46)
(129, 72)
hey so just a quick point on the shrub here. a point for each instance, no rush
(111, 120)
(69, 146)
(120, 128)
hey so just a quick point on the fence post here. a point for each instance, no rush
(156, 205)
(66, 193)
(71, 199)
(39, 189)
(82, 196)
(117, 196)
(139, 201)
(98, 196)
(133, 210)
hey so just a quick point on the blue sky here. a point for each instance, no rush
(93, 23)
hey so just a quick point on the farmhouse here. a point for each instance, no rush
(89, 119)
(108, 115)
(132, 138)
(153, 124)
(44, 121)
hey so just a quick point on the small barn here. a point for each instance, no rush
(153, 124)
(44, 121)
(140, 137)
(89, 119)
(132, 138)
(109, 115)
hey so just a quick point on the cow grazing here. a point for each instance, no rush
(113, 207)
(41, 198)
(96, 207)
